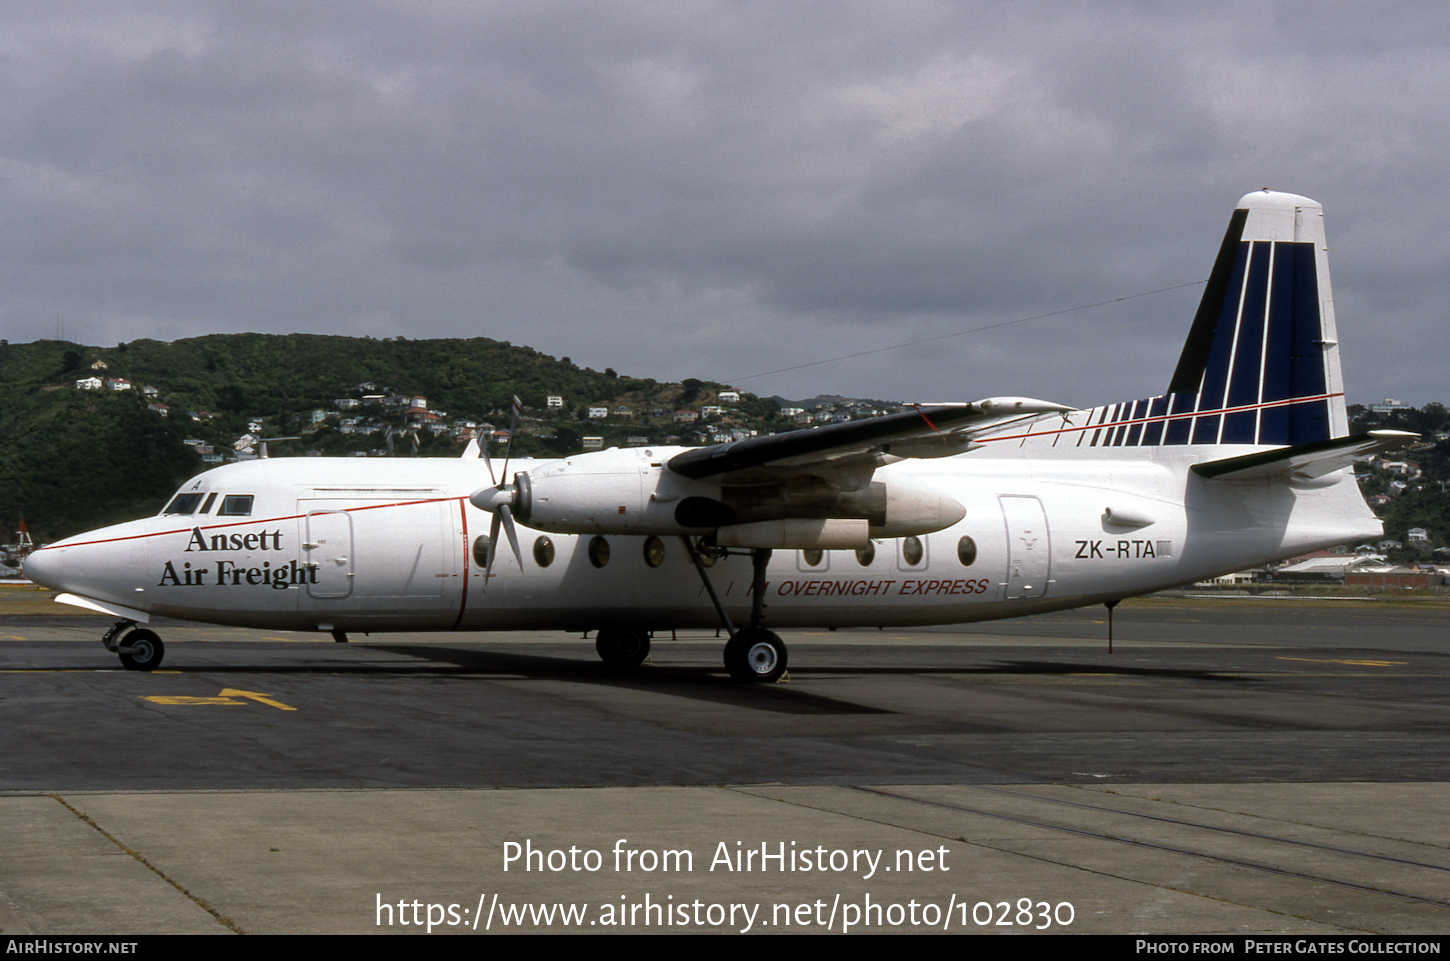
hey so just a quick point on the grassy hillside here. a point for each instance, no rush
(74, 459)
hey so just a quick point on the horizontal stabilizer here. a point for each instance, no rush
(1305, 461)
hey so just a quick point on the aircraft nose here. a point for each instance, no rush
(44, 567)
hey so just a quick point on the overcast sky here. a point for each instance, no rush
(722, 189)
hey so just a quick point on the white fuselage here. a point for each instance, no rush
(366, 545)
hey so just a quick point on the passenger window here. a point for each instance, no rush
(966, 551)
(913, 552)
(183, 504)
(598, 551)
(236, 505)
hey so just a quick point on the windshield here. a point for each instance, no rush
(183, 504)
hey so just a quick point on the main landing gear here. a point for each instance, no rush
(622, 648)
(752, 653)
(755, 654)
(140, 649)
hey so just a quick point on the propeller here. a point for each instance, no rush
(498, 498)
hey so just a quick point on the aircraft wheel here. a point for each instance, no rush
(146, 650)
(755, 654)
(627, 648)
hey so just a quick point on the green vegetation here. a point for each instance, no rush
(73, 460)
(76, 459)
(1419, 500)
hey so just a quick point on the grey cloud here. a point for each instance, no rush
(716, 189)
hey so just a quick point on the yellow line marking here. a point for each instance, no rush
(259, 698)
(226, 697)
(182, 699)
(1312, 660)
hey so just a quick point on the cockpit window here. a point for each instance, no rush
(236, 505)
(183, 504)
(206, 508)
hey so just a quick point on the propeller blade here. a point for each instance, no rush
(515, 413)
(508, 527)
(492, 550)
(483, 450)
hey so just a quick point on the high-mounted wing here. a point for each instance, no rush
(808, 488)
(934, 431)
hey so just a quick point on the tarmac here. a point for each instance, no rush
(1234, 767)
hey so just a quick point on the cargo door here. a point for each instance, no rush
(1029, 549)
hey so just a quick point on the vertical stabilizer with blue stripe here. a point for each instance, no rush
(1261, 364)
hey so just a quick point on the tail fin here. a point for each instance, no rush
(1261, 365)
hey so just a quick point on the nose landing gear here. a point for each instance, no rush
(139, 649)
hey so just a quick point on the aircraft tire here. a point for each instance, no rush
(626, 648)
(147, 650)
(755, 654)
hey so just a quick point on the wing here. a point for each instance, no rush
(806, 489)
(847, 454)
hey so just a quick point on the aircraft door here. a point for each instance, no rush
(329, 554)
(386, 552)
(1028, 546)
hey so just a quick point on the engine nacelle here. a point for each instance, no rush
(633, 492)
(609, 492)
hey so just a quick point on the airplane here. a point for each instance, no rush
(939, 514)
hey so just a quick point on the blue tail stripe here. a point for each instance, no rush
(1307, 422)
(1248, 346)
(1205, 429)
(1153, 432)
(1216, 372)
(1179, 431)
(1281, 323)
(1239, 428)
(1135, 432)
